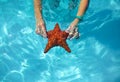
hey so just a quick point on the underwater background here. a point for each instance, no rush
(95, 56)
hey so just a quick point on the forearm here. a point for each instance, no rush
(82, 7)
(37, 9)
(81, 10)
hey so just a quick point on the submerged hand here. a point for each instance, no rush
(73, 30)
(40, 28)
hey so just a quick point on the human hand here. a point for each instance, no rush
(73, 30)
(40, 28)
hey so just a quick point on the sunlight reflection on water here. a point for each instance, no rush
(95, 56)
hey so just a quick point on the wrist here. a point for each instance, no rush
(40, 21)
(76, 20)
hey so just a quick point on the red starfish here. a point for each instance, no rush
(57, 37)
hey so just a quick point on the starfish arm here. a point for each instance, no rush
(57, 28)
(65, 46)
(48, 46)
(51, 43)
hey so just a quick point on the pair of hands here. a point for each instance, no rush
(72, 29)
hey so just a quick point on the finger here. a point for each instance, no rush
(70, 35)
(44, 34)
(76, 35)
(44, 31)
(76, 29)
(69, 29)
(40, 31)
(37, 30)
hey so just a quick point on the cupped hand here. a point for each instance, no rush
(40, 28)
(73, 30)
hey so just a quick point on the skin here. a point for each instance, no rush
(72, 29)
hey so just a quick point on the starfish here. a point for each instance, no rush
(56, 37)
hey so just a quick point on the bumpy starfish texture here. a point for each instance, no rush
(56, 37)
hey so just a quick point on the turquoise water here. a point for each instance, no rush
(95, 56)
